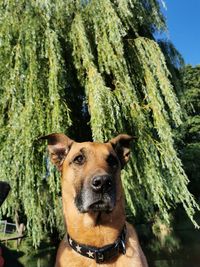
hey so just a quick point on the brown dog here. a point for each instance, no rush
(93, 203)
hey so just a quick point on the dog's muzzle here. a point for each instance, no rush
(98, 195)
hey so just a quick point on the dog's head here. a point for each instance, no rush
(90, 170)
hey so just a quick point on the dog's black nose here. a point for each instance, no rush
(101, 183)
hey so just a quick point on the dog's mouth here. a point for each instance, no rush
(87, 201)
(101, 205)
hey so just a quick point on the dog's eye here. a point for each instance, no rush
(112, 161)
(80, 159)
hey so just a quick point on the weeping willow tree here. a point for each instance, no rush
(90, 69)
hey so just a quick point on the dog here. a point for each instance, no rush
(93, 203)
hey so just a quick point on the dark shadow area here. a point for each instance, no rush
(185, 245)
(27, 256)
(11, 257)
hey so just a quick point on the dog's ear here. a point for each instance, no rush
(58, 146)
(121, 145)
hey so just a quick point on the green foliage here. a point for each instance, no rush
(191, 128)
(165, 238)
(32, 88)
(65, 65)
(191, 85)
(174, 62)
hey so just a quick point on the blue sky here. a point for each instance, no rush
(183, 20)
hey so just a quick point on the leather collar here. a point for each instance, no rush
(101, 254)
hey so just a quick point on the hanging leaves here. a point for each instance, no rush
(63, 62)
(33, 84)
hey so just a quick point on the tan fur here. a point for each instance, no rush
(94, 228)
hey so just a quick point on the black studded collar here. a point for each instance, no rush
(102, 254)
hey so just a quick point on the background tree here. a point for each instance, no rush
(190, 100)
(91, 69)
